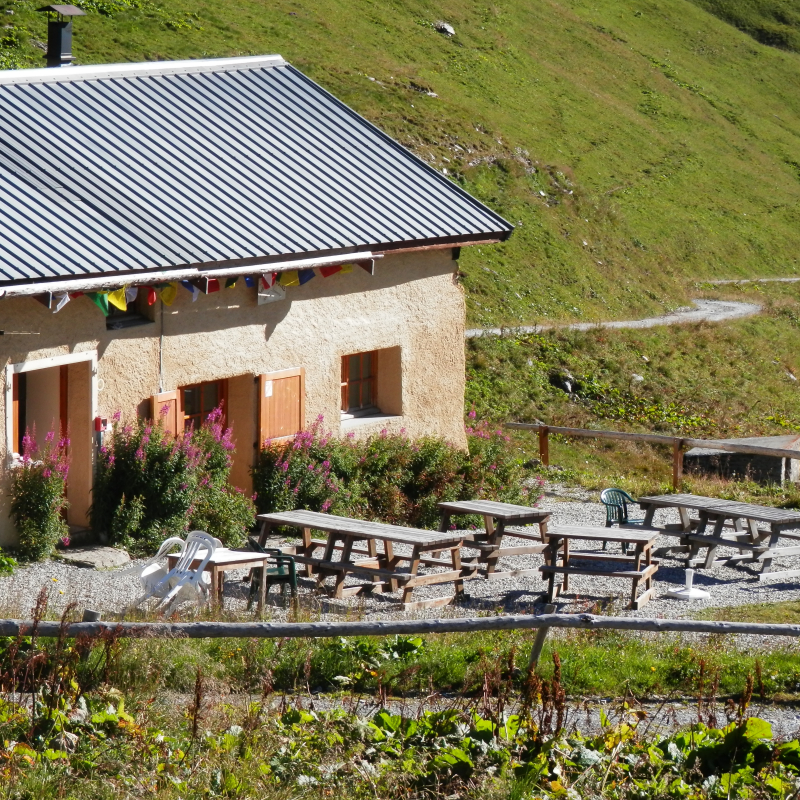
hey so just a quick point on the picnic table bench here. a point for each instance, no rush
(496, 518)
(380, 569)
(754, 544)
(640, 565)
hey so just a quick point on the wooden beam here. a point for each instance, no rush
(322, 630)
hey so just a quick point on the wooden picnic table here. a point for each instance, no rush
(223, 560)
(379, 568)
(639, 567)
(497, 517)
(754, 544)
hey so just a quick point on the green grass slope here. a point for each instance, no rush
(636, 144)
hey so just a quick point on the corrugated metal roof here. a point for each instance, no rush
(141, 166)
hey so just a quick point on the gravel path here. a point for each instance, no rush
(110, 592)
(704, 311)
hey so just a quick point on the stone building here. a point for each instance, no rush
(177, 234)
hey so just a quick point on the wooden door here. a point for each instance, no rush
(281, 404)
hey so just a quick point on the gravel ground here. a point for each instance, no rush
(111, 592)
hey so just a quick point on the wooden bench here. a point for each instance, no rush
(379, 568)
(641, 571)
(488, 543)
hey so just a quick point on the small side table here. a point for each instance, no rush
(224, 560)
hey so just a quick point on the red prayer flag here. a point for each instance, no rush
(326, 272)
(151, 295)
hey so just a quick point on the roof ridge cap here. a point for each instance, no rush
(137, 69)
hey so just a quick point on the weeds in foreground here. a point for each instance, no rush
(73, 726)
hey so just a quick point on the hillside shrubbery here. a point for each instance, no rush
(388, 477)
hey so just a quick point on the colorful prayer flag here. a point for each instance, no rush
(230, 283)
(191, 288)
(290, 278)
(347, 268)
(151, 295)
(169, 293)
(250, 280)
(117, 299)
(100, 299)
(131, 293)
(268, 279)
(328, 271)
(62, 300)
(305, 275)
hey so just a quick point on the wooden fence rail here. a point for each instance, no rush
(678, 444)
(311, 630)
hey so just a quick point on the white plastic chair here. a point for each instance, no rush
(182, 583)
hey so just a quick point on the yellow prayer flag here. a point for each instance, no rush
(290, 278)
(118, 299)
(169, 293)
(347, 267)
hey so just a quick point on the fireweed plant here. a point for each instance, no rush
(38, 496)
(388, 477)
(151, 484)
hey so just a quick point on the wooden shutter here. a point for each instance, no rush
(17, 443)
(281, 404)
(169, 399)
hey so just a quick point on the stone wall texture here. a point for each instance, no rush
(413, 302)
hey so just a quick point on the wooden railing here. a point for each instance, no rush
(676, 442)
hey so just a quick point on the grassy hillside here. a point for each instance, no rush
(637, 144)
(701, 380)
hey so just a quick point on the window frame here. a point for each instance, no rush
(200, 417)
(348, 411)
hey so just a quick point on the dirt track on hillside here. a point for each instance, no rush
(703, 311)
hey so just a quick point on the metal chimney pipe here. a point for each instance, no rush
(59, 34)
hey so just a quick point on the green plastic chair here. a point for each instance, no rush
(616, 503)
(284, 572)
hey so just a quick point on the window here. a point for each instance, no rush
(137, 313)
(199, 400)
(359, 384)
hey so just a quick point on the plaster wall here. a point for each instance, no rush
(412, 307)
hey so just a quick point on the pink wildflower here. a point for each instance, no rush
(117, 415)
(472, 414)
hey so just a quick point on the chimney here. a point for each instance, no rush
(59, 34)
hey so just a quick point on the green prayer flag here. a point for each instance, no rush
(230, 283)
(100, 299)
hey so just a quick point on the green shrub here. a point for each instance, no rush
(37, 496)
(7, 564)
(388, 477)
(151, 485)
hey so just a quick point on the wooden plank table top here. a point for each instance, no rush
(506, 511)
(731, 508)
(381, 568)
(363, 529)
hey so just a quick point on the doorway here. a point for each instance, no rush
(57, 395)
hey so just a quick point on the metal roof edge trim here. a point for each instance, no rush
(179, 274)
(508, 228)
(137, 69)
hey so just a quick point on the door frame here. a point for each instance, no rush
(44, 363)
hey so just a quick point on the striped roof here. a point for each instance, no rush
(131, 167)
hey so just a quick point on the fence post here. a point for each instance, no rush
(677, 463)
(538, 642)
(544, 445)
